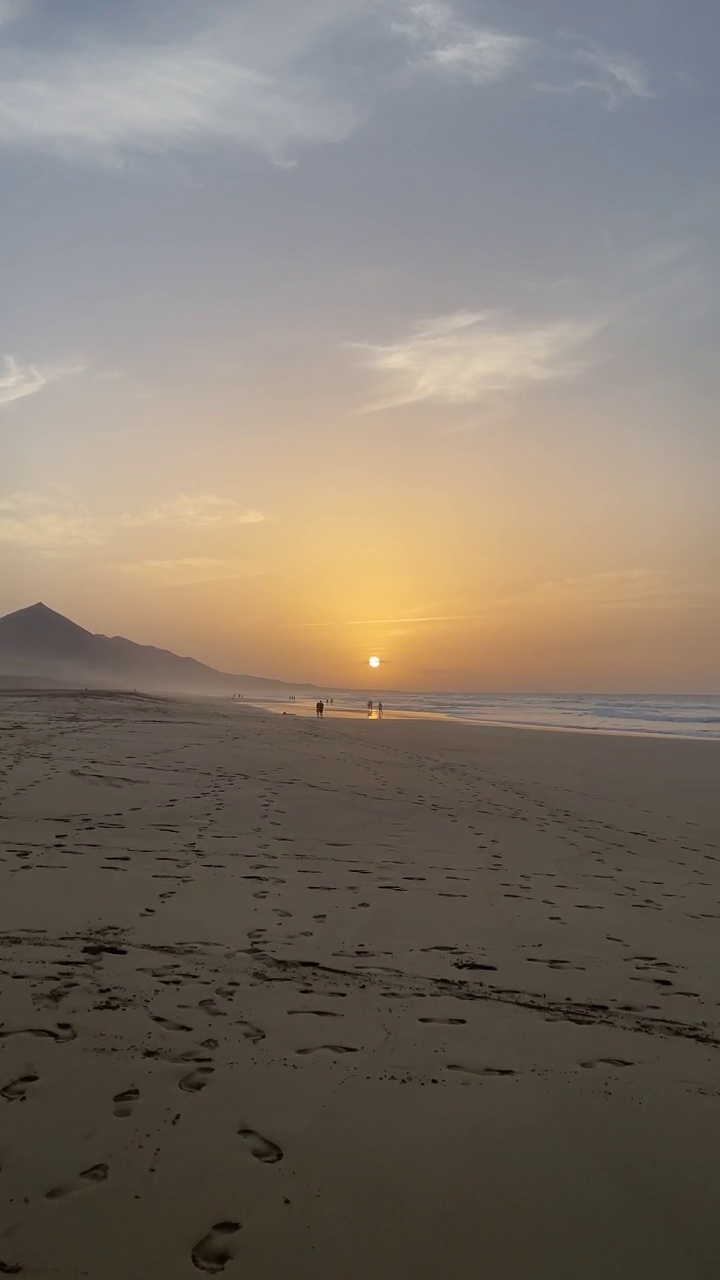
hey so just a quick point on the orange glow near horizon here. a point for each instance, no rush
(339, 375)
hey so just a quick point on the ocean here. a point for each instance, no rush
(696, 716)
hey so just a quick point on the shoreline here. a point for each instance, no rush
(349, 713)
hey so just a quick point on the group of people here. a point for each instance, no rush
(320, 708)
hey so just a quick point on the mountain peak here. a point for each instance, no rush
(39, 631)
(38, 610)
(38, 640)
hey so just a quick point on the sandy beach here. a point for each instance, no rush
(352, 999)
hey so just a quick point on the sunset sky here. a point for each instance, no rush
(340, 327)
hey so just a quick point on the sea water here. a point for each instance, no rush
(691, 716)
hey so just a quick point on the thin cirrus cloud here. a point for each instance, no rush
(35, 523)
(196, 511)
(20, 380)
(56, 524)
(443, 44)
(100, 99)
(615, 79)
(635, 588)
(269, 85)
(458, 51)
(190, 571)
(469, 356)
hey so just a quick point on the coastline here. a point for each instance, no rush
(307, 709)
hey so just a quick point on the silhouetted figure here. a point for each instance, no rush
(370, 706)
(380, 710)
(319, 708)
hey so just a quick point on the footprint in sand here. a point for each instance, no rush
(214, 1251)
(444, 1022)
(125, 1102)
(88, 1178)
(481, 1071)
(16, 1091)
(312, 1013)
(64, 1032)
(327, 1048)
(210, 1007)
(262, 1148)
(197, 1080)
(249, 1032)
(607, 1062)
(169, 1024)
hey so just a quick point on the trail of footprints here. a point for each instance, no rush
(217, 1248)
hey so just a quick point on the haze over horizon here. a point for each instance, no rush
(341, 327)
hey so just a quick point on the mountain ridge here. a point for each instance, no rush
(38, 642)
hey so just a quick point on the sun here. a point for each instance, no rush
(374, 662)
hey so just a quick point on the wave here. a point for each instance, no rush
(692, 716)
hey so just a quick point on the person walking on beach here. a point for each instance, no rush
(380, 710)
(370, 706)
(319, 708)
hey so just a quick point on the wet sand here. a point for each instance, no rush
(354, 999)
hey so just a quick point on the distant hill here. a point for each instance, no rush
(39, 646)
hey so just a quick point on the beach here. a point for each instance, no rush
(400, 999)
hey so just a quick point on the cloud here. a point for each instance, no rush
(470, 356)
(40, 524)
(196, 511)
(17, 381)
(20, 380)
(615, 78)
(457, 50)
(190, 571)
(54, 523)
(636, 589)
(273, 78)
(95, 98)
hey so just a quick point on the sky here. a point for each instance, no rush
(332, 328)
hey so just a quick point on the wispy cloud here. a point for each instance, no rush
(19, 380)
(609, 591)
(457, 50)
(405, 621)
(190, 571)
(56, 522)
(614, 78)
(273, 82)
(466, 357)
(624, 589)
(196, 511)
(98, 98)
(33, 522)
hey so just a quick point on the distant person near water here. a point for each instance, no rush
(380, 710)
(319, 708)
(369, 706)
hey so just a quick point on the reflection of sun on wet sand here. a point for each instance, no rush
(282, 999)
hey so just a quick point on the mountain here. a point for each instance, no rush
(41, 646)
